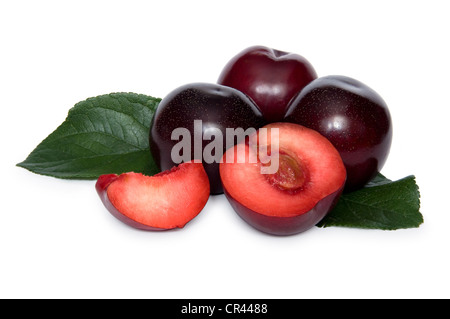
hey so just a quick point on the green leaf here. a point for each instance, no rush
(101, 135)
(382, 204)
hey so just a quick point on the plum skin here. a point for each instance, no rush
(219, 107)
(353, 117)
(285, 226)
(270, 77)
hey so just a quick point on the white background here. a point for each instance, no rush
(58, 241)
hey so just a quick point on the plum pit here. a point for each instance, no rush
(291, 174)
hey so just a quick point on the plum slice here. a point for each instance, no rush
(308, 183)
(164, 201)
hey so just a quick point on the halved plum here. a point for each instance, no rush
(164, 201)
(307, 184)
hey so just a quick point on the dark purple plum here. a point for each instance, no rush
(353, 117)
(218, 108)
(270, 77)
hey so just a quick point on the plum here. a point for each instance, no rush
(192, 121)
(270, 77)
(301, 189)
(353, 117)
